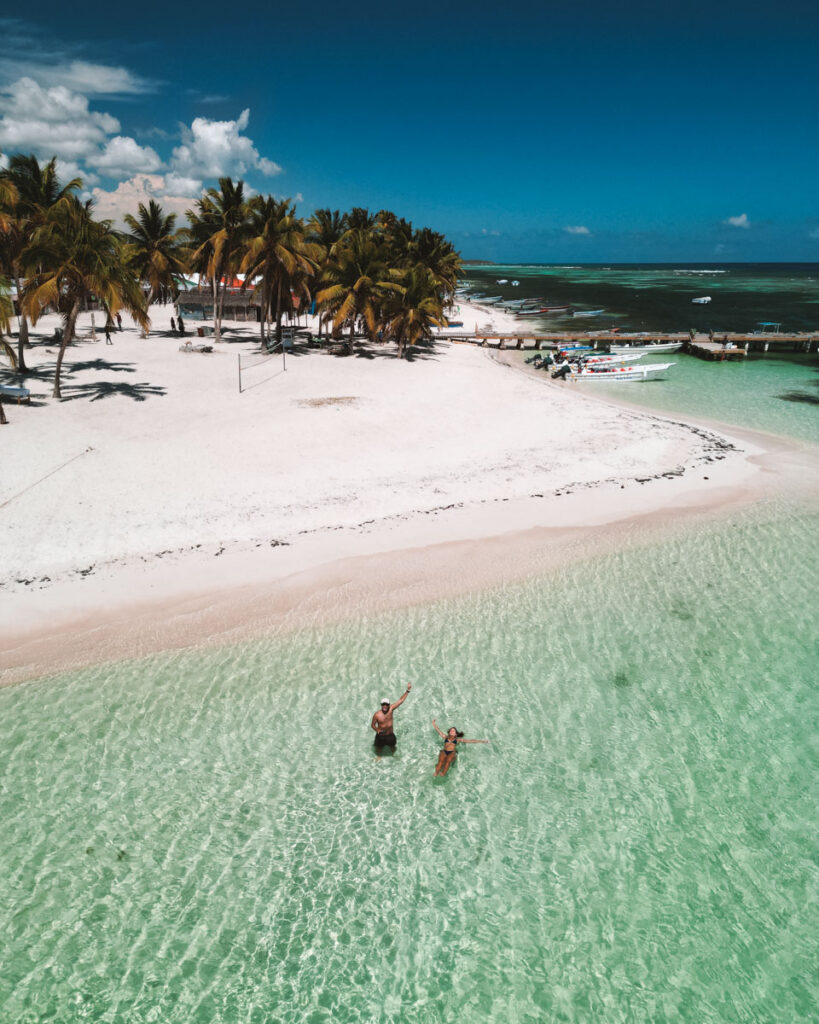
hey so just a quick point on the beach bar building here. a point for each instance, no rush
(195, 301)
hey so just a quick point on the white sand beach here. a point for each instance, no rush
(156, 506)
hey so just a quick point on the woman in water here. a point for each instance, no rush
(450, 748)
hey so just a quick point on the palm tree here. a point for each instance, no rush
(326, 228)
(433, 251)
(355, 279)
(412, 308)
(217, 229)
(6, 312)
(155, 252)
(278, 255)
(78, 257)
(360, 219)
(36, 192)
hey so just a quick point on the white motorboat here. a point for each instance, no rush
(665, 346)
(588, 312)
(702, 300)
(502, 280)
(515, 284)
(612, 359)
(620, 372)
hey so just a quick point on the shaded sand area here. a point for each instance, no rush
(157, 507)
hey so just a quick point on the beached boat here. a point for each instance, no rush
(665, 346)
(490, 298)
(588, 312)
(702, 300)
(620, 372)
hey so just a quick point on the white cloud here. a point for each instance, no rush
(215, 149)
(141, 188)
(578, 229)
(123, 156)
(184, 186)
(52, 121)
(738, 222)
(70, 169)
(96, 78)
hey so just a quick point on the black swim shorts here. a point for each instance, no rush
(385, 739)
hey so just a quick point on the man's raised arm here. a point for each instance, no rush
(402, 698)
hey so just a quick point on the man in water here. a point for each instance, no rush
(382, 721)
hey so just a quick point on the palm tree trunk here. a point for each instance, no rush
(3, 420)
(150, 299)
(22, 334)
(279, 312)
(352, 336)
(68, 334)
(217, 319)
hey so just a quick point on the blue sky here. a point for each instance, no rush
(552, 132)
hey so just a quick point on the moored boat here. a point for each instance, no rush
(665, 346)
(588, 312)
(620, 372)
(543, 311)
(702, 300)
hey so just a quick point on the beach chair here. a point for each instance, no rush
(18, 394)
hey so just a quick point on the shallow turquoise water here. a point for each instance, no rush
(772, 394)
(208, 837)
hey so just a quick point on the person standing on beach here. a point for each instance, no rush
(381, 723)
(108, 333)
(119, 322)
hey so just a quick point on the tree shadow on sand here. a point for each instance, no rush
(108, 389)
(100, 364)
(386, 350)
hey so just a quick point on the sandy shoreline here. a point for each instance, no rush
(158, 508)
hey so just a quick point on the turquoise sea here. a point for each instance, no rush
(658, 296)
(208, 836)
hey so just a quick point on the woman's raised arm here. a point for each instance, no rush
(438, 730)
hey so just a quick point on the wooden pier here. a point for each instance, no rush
(724, 345)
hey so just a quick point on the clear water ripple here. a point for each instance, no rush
(208, 836)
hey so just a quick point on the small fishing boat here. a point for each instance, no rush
(588, 312)
(620, 372)
(455, 323)
(515, 284)
(502, 280)
(543, 311)
(669, 346)
(702, 300)
(612, 358)
(490, 298)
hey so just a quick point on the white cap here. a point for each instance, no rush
(385, 701)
